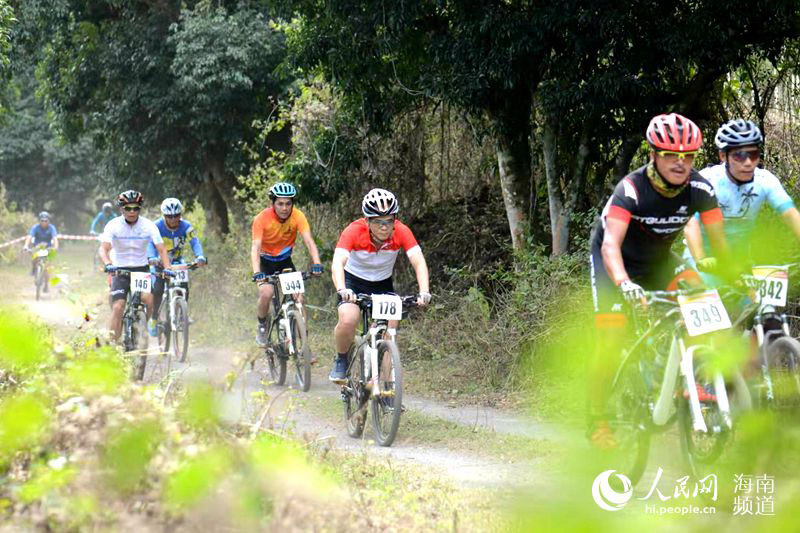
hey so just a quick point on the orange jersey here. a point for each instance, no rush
(278, 238)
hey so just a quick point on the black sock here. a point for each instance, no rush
(262, 321)
(342, 355)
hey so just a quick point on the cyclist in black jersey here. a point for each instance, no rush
(631, 245)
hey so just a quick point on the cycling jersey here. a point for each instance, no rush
(369, 263)
(175, 240)
(100, 221)
(741, 202)
(654, 220)
(278, 238)
(42, 235)
(129, 241)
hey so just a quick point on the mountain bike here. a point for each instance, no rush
(778, 351)
(41, 274)
(374, 373)
(672, 340)
(173, 313)
(134, 318)
(286, 332)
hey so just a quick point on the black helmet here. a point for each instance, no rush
(130, 197)
(738, 132)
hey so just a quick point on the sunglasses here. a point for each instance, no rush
(382, 223)
(743, 155)
(131, 208)
(674, 156)
(172, 216)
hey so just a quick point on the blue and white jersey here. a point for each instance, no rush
(741, 202)
(42, 235)
(175, 241)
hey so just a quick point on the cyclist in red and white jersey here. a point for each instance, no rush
(363, 262)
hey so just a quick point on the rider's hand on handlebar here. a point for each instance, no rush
(109, 268)
(347, 295)
(707, 264)
(154, 261)
(260, 276)
(316, 269)
(424, 298)
(201, 261)
(632, 292)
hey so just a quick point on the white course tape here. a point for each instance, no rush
(61, 237)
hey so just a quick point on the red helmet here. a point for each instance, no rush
(674, 132)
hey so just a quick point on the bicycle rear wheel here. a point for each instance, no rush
(387, 404)
(355, 396)
(630, 417)
(783, 356)
(302, 351)
(180, 335)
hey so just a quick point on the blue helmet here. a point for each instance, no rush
(44, 215)
(282, 190)
(738, 132)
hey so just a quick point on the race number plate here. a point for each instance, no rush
(292, 283)
(181, 276)
(42, 253)
(703, 313)
(140, 281)
(772, 284)
(387, 307)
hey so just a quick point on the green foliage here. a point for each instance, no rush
(196, 479)
(129, 452)
(24, 422)
(22, 348)
(99, 372)
(45, 479)
(199, 408)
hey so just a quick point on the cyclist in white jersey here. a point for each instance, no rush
(742, 189)
(124, 245)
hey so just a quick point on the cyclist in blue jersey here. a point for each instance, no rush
(42, 233)
(176, 233)
(742, 189)
(103, 217)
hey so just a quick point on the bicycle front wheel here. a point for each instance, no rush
(783, 356)
(387, 399)
(140, 334)
(180, 335)
(302, 351)
(275, 354)
(355, 396)
(39, 278)
(164, 327)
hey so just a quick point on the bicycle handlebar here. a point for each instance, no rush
(273, 278)
(365, 300)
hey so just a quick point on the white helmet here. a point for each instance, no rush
(378, 203)
(171, 206)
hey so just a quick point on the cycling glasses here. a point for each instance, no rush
(130, 208)
(172, 216)
(741, 156)
(382, 223)
(674, 156)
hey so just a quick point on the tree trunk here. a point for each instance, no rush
(513, 124)
(211, 196)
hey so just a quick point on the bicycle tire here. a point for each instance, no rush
(700, 451)
(783, 356)
(387, 407)
(276, 361)
(38, 278)
(164, 327)
(302, 352)
(630, 419)
(355, 395)
(180, 335)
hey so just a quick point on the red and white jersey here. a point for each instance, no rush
(367, 262)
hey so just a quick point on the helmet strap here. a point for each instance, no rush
(662, 186)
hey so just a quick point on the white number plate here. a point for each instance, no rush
(181, 276)
(42, 253)
(387, 307)
(772, 284)
(140, 281)
(292, 283)
(704, 313)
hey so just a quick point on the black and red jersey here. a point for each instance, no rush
(654, 220)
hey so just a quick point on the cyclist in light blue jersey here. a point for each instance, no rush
(103, 217)
(741, 189)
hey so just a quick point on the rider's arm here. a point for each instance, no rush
(417, 260)
(340, 257)
(55, 242)
(694, 238)
(93, 229)
(162, 253)
(719, 246)
(105, 247)
(311, 246)
(612, 249)
(791, 217)
(152, 253)
(255, 256)
(197, 247)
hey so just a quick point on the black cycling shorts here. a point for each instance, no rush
(120, 285)
(363, 286)
(275, 267)
(607, 297)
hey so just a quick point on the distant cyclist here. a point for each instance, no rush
(742, 189)
(103, 217)
(124, 245)
(41, 233)
(363, 262)
(175, 232)
(275, 231)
